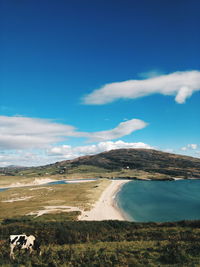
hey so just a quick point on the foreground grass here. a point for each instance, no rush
(31, 199)
(108, 243)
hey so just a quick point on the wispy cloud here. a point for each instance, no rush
(32, 133)
(178, 84)
(123, 129)
(150, 74)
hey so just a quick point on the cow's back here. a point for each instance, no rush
(18, 240)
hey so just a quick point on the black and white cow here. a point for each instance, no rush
(27, 242)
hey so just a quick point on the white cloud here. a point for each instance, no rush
(22, 132)
(24, 158)
(193, 146)
(180, 84)
(189, 147)
(31, 133)
(169, 150)
(68, 152)
(124, 128)
(184, 148)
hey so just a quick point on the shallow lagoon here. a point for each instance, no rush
(160, 201)
(3, 189)
(51, 183)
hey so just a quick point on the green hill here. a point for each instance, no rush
(133, 163)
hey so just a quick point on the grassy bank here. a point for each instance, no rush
(107, 243)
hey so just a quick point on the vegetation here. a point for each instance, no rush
(21, 201)
(133, 163)
(106, 243)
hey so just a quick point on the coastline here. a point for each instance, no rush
(44, 181)
(105, 208)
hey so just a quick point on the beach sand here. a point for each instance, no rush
(105, 208)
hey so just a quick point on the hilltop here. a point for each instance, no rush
(132, 163)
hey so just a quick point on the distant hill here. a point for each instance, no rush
(11, 169)
(133, 163)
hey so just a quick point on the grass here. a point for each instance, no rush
(108, 243)
(81, 195)
(77, 172)
(81, 172)
(6, 180)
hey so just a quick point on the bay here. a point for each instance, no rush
(160, 201)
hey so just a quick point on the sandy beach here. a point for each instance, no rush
(105, 208)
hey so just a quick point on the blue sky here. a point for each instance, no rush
(55, 54)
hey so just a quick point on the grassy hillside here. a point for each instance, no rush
(107, 243)
(134, 163)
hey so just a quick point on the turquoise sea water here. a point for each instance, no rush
(160, 201)
(3, 189)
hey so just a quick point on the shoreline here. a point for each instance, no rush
(106, 207)
(45, 181)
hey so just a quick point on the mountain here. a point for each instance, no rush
(133, 163)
